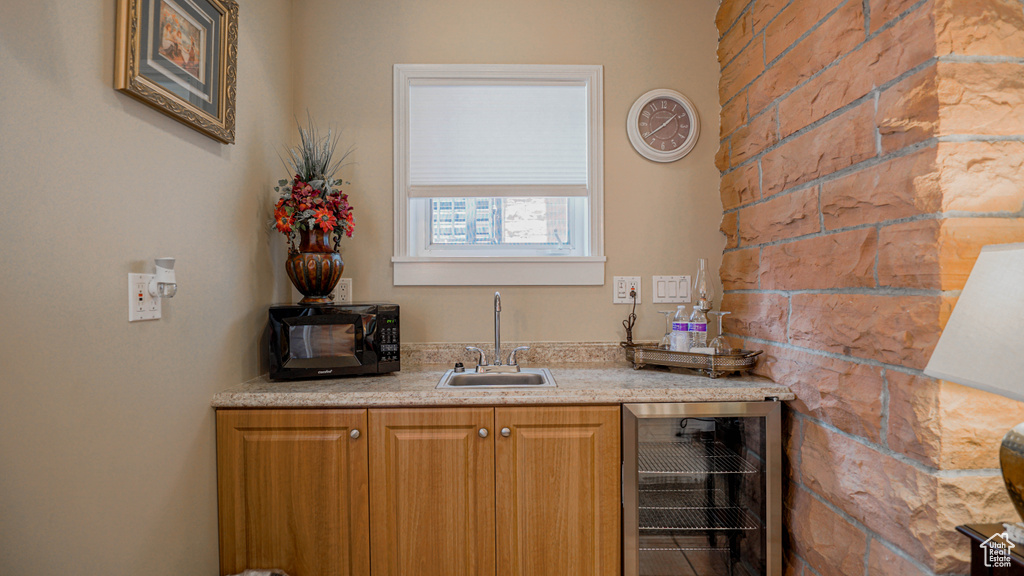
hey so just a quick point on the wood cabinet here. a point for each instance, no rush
(516, 491)
(432, 497)
(557, 490)
(293, 491)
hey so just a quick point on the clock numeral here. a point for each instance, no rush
(673, 143)
(646, 134)
(674, 107)
(651, 142)
(643, 123)
(647, 114)
(662, 145)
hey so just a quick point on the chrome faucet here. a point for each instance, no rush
(512, 365)
(497, 328)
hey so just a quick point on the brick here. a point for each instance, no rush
(844, 260)
(734, 114)
(764, 10)
(729, 228)
(982, 176)
(899, 330)
(903, 504)
(741, 186)
(750, 140)
(908, 112)
(735, 39)
(981, 98)
(792, 566)
(946, 425)
(722, 156)
(909, 43)
(836, 36)
(908, 255)
(782, 217)
(838, 143)
(742, 70)
(882, 561)
(844, 394)
(756, 315)
(939, 254)
(882, 11)
(898, 188)
(979, 27)
(793, 22)
(824, 539)
(739, 269)
(728, 12)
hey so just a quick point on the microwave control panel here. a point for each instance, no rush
(388, 340)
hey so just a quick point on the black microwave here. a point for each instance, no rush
(330, 340)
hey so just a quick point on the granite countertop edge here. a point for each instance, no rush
(578, 383)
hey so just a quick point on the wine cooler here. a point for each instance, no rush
(702, 489)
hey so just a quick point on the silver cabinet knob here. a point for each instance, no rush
(354, 434)
(483, 432)
(505, 432)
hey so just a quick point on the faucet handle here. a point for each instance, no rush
(482, 359)
(512, 355)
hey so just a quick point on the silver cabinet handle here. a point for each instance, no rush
(505, 432)
(354, 434)
(483, 432)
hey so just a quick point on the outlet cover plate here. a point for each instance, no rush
(343, 291)
(621, 286)
(141, 306)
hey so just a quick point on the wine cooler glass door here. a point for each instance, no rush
(702, 491)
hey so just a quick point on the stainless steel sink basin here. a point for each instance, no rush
(525, 378)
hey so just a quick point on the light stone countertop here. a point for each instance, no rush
(578, 383)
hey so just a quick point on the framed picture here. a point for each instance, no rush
(181, 57)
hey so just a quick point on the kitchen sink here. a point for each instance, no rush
(525, 378)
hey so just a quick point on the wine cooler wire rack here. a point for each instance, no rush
(662, 508)
(691, 458)
(730, 518)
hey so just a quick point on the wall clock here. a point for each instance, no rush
(663, 125)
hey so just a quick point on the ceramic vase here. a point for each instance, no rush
(316, 268)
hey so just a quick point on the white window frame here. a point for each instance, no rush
(584, 267)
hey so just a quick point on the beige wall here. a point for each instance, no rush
(107, 461)
(659, 218)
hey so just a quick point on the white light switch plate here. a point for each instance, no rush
(671, 289)
(141, 306)
(622, 285)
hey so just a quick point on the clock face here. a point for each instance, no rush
(663, 125)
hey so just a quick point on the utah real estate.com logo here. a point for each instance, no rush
(996, 552)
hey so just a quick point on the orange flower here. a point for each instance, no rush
(325, 219)
(283, 221)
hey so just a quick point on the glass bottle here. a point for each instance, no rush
(702, 286)
(666, 340)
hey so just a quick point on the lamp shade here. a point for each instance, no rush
(982, 345)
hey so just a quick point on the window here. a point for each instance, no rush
(498, 175)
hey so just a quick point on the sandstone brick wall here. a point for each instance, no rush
(869, 149)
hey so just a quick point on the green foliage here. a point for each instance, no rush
(313, 160)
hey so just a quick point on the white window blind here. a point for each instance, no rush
(498, 140)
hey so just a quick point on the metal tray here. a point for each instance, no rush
(713, 365)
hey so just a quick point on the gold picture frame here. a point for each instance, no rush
(181, 57)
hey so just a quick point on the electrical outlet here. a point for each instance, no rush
(343, 291)
(141, 305)
(622, 286)
(671, 289)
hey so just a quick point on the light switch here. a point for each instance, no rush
(671, 289)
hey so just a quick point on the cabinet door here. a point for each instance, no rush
(292, 488)
(432, 492)
(557, 483)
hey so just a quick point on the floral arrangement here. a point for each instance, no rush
(313, 198)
